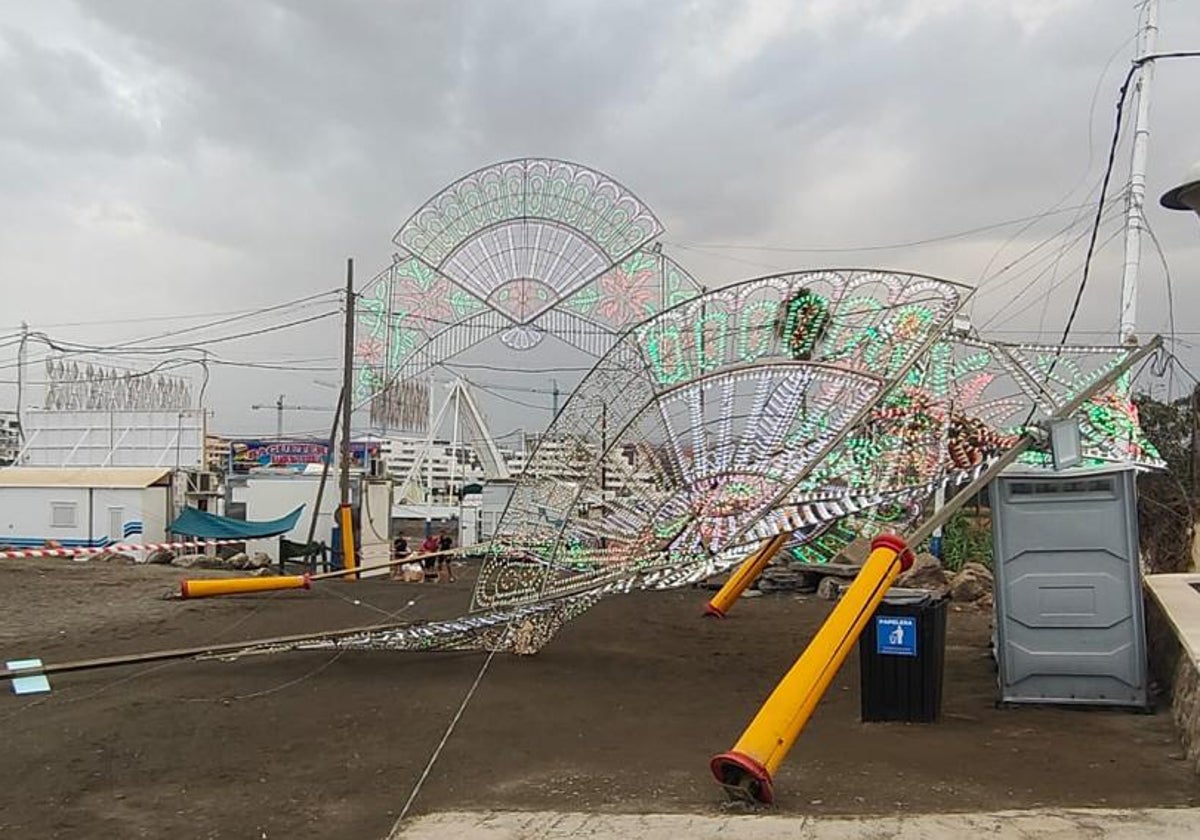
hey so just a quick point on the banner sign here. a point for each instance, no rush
(245, 455)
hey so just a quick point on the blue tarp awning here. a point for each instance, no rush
(209, 526)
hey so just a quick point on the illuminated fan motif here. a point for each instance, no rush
(518, 250)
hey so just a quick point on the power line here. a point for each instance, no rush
(1052, 262)
(1170, 287)
(1044, 298)
(1108, 168)
(180, 317)
(890, 247)
(73, 348)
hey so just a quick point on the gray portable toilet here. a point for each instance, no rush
(1069, 624)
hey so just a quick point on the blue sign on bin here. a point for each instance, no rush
(896, 635)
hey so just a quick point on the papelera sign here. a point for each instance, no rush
(896, 635)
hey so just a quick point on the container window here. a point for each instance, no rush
(63, 514)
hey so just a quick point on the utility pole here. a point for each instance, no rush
(345, 517)
(279, 418)
(21, 385)
(554, 399)
(1147, 39)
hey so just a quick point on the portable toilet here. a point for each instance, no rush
(1069, 621)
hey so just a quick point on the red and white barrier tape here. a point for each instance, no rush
(122, 547)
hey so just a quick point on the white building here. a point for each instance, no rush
(10, 438)
(84, 507)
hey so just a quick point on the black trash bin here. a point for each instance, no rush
(902, 656)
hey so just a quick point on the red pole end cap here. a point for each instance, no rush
(742, 775)
(897, 544)
(713, 611)
(307, 580)
(183, 593)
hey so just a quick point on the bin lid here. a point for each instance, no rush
(911, 597)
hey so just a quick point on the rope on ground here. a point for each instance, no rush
(292, 682)
(412, 797)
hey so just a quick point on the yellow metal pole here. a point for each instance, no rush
(749, 767)
(238, 586)
(745, 575)
(348, 559)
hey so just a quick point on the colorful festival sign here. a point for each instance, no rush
(245, 455)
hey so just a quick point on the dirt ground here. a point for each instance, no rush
(621, 713)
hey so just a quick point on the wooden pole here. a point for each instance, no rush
(185, 653)
(312, 522)
(344, 514)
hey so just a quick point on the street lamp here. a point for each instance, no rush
(1186, 196)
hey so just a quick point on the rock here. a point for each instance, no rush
(188, 561)
(856, 553)
(830, 588)
(233, 561)
(259, 560)
(979, 569)
(925, 573)
(161, 557)
(113, 557)
(779, 578)
(972, 583)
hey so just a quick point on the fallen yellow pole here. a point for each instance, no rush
(348, 559)
(239, 586)
(745, 575)
(750, 766)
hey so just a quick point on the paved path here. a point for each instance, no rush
(1151, 824)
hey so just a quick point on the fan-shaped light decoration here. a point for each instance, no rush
(701, 432)
(518, 250)
(707, 423)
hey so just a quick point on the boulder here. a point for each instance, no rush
(161, 557)
(233, 561)
(926, 572)
(855, 554)
(972, 583)
(979, 569)
(189, 561)
(113, 557)
(259, 560)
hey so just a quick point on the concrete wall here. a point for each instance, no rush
(1177, 674)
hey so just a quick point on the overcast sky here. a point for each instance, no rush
(164, 158)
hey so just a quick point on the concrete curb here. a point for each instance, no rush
(1050, 824)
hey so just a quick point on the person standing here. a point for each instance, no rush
(429, 546)
(399, 552)
(445, 543)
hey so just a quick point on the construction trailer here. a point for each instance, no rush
(85, 507)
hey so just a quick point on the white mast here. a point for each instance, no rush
(1148, 37)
